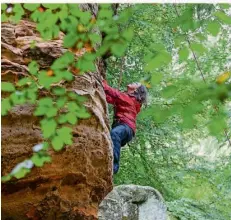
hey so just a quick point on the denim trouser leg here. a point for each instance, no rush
(120, 135)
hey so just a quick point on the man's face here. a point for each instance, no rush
(133, 87)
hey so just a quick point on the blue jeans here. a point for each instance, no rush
(121, 134)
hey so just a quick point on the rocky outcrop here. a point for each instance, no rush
(132, 202)
(80, 176)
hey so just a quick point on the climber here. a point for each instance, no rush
(126, 107)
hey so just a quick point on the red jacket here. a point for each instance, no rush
(126, 107)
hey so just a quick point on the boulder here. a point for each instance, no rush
(133, 202)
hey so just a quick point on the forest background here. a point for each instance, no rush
(181, 52)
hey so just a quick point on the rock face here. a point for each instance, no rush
(80, 176)
(132, 202)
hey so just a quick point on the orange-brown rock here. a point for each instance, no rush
(80, 176)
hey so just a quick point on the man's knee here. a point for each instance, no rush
(115, 134)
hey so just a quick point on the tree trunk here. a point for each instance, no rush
(79, 176)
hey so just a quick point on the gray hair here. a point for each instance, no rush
(141, 94)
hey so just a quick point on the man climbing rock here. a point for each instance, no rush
(126, 107)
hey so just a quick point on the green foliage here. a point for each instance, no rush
(183, 53)
(40, 159)
(33, 68)
(7, 87)
(31, 7)
(182, 110)
(198, 48)
(5, 106)
(223, 17)
(48, 127)
(214, 27)
(61, 108)
(168, 151)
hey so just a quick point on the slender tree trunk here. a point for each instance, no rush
(79, 177)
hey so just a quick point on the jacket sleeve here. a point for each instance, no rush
(111, 94)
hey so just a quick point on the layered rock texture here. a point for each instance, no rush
(80, 176)
(132, 202)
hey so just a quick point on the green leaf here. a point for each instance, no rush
(85, 17)
(40, 110)
(72, 106)
(156, 78)
(217, 125)
(15, 18)
(32, 96)
(223, 17)
(160, 114)
(22, 173)
(3, 7)
(198, 48)
(201, 37)
(128, 34)
(55, 31)
(45, 80)
(52, 6)
(4, 17)
(31, 7)
(105, 13)
(59, 91)
(37, 160)
(70, 40)
(225, 6)
(69, 24)
(36, 15)
(18, 97)
(46, 108)
(61, 102)
(18, 9)
(159, 47)
(71, 118)
(64, 130)
(213, 27)
(6, 178)
(82, 113)
(33, 68)
(67, 75)
(48, 127)
(125, 15)
(74, 10)
(64, 61)
(51, 112)
(95, 38)
(5, 106)
(57, 143)
(45, 31)
(118, 49)
(169, 91)
(188, 121)
(178, 40)
(158, 61)
(24, 81)
(47, 101)
(85, 65)
(183, 54)
(63, 13)
(62, 119)
(7, 87)
(65, 133)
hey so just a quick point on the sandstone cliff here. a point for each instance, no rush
(80, 176)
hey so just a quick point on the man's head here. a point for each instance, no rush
(139, 91)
